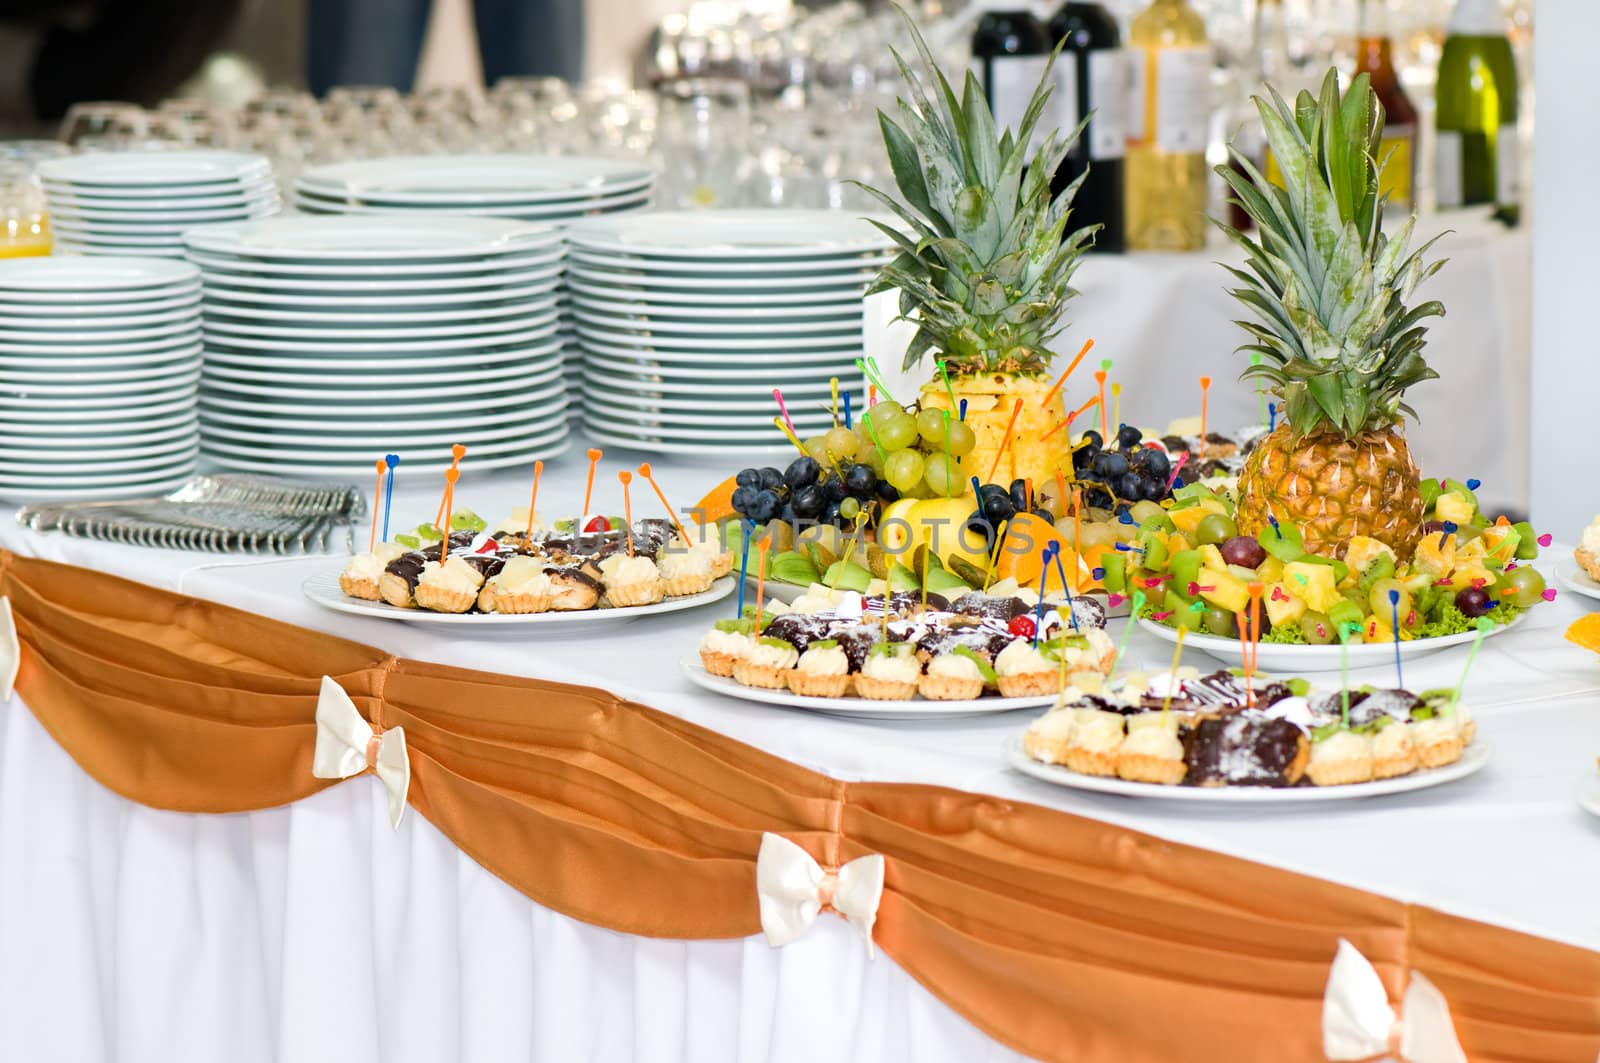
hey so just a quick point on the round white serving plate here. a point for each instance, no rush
(634, 327)
(828, 287)
(186, 338)
(109, 392)
(155, 168)
(810, 271)
(788, 375)
(412, 468)
(314, 454)
(95, 216)
(540, 295)
(751, 420)
(92, 276)
(732, 234)
(1472, 761)
(189, 439)
(221, 328)
(464, 179)
(397, 238)
(158, 459)
(219, 311)
(151, 226)
(123, 412)
(917, 708)
(50, 340)
(495, 344)
(91, 310)
(829, 343)
(693, 303)
(752, 357)
(113, 430)
(550, 351)
(62, 481)
(630, 401)
(624, 201)
(117, 201)
(1293, 660)
(64, 366)
(146, 488)
(323, 588)
(87, 381)
(1575, 579)
(647, 382)
(376, 431)
(354, 274)
(682, 317)
(99, 324)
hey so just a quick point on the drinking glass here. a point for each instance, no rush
(702, 127)
(24, 216)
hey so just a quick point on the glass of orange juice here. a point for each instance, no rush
(24, 216)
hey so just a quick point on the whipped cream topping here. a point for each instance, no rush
(1021, 658)
(824, 660)
(769, 655)
(522, 575)
(954, 666)
(454, 575)
(728, 642)
(682, 563)
(894, 668)
(1591, 536)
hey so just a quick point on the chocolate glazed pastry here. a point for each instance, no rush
(574, 589)
(1245, 751)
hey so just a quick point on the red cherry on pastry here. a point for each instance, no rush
(596, 524)
(1021, 626)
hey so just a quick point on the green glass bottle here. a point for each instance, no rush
(1478, 160)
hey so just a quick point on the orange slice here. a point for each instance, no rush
(717, 505)
(1585, 632)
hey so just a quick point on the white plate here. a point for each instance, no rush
(323, 588)
(729, 429)
(89, 480)
(411, 468)
(634, 329)
(1575, 579)
(633, 398)
(137, 489)
(217, 310)
(496, 343)
(50, 340)
(227, 197)
(354, 429)
(747, 422)
(534, 292)
(645, 388)
(87, 381)
(399, 238)
(624, 201)
(849, 310)
(401, 396)
(1295, 660)
(460, 178)
(714, 301)
(182, 440)
(31, 394)
(92, 310)
(472, 271)
(53, 363)
(829, 343)
(804, 271)
(95, 277)
(95, 465)
(163, 245)
(225, 329)
(1472, 760)
(461, 360)
(96, 217)
(280, 438)
(753, 357)
(154, 169)
(133, 429)
(185, 338)
(771, 371)
(832, 288)
(539, 279)
(11, 324)
(88, 417)
(731, 234)
(918, 708)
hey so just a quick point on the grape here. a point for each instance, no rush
(743, 495)
(1381, 607)
(903, 470)
(941, 475)
(1243, 551)
(897, 433)
(962, 439)
(802, 472)
(1473, 602)
(1215, 529)
(809, 501)
(748, 478)
(1317, 628)
(771, 478)
(764, 506)
(817, 447)
(865, 451)
(849, 508)
(1097, 535)
(1527, 587)
(930, 425)
(1128, 436)
(1143, 511)
(860, 480)
(841, 444)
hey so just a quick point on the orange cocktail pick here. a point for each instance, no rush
(1077, 532)
(1205, 390)
(588, 488)
(627, 505)
(1073, 416)
(761, 578)
(1005, 444)
(644, 470)
(457, 452)
(451, 475)
(538, 471)
(372, 540)
(1100, 381)
(1062, 379)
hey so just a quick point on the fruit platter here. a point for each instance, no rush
(1227, 737)
(456, 568)
(907, 654)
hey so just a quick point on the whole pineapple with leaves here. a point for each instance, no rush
(984, 265)
(1327, 290)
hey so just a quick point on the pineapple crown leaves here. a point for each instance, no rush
(1326, 286)
(984, 257)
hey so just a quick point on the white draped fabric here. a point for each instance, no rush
(315, 932)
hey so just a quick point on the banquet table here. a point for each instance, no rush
(313, 931)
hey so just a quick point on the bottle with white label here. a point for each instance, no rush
(1477, 113)
(1169, 71)
(1397, 149)
(1091, 81)
(1010, 53)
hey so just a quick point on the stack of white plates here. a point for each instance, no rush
(332, 341)
(99, 366)
(688, 320)
(554, 189)
(141, 203)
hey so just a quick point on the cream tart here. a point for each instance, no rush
(631, 580)
(1588, 552)
(765, 663)
(724, 644)
(360, 577)
(890, 673)
(520, 586)
(448, 588)
(823, 671)
(685, 572)
(959, 675)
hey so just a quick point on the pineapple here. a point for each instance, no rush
(983, 264)
(1339, 347)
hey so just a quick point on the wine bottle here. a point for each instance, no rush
(1269, 47)
(1375, 58)
(1010, 52)
(1477, 112)
(1091, 79)
(1170, 108)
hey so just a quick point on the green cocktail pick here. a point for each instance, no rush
(1485, 625)
(1137, 602)
(1345, 631)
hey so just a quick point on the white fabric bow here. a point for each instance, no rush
(10, 650)
(792, 888)
(347, 745)
(1358, 1023)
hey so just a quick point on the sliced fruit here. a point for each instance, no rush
(1435, 554)
(1185, 566)
(1585, 632)
(1211, 556)
(848, 576)
(1223, 589)
(1454, 508)
(1027, 538)
(1282, 541)
(1316, 585)
(1188, 519)
(1184, 614)
(1115, 567)
(1283, 607)
(717, 505)
(1270, 570)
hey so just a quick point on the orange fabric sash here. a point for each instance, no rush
(1062, 937)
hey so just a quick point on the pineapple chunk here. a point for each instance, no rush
(1363, 551)
(1227, 592)
(1270, 571)
(1472, 550)
(1500, 543)
(1435, 555)
(1467, 575)
(1283, 607)
(1211, 557)
(1176, 542)
(1313, 584)
(1454, 508)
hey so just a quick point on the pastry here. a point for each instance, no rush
(685, 572)
(1094, 743)
(1438, 740)
(360, 577)
(1022, 671)
(723, 645)
(519, 587)
(1151, 752)
(1341, 758)
(1588, 551)
(706, 540)
(1393, 752)
(571, 588)
(955, 676)
(631, 580)
(448, 588)
(890, 673)
(823, 671)
(1048, 736)
(1246, 750)
(765, 663)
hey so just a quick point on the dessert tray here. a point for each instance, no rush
(323, 588)
(1288, 659)
(1576, 580)
(1470, 763)
(917, 708)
